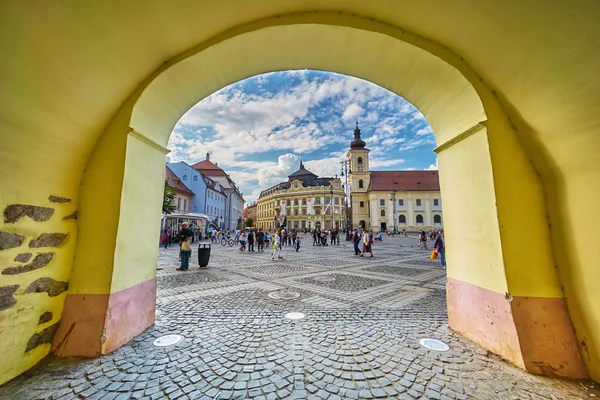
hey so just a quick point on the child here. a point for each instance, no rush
(297, 243)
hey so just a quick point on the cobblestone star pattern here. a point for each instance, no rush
(359, 339)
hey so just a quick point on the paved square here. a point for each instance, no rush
(359, 338)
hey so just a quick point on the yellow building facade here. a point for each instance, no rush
(508, 87)
(305, 201)
(391, 200)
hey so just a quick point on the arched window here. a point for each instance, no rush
(437, 219)
(359, 160)
(185, 178)
(419, 219)
(195, 178)
(402, 219)
(360, 184)
(382, 213)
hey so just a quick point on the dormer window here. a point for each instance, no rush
(185, 177)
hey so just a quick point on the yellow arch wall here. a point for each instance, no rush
(73, 66)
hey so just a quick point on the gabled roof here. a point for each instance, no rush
(175, 182)
(405, 180)
(208, 168)
(302, 172)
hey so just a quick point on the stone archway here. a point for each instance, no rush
(519, 121)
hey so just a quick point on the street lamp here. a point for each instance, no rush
(331, 204)
(393, 199)
(346, 196)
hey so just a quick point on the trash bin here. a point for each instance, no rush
(203, 254)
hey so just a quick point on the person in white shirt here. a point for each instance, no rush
(277, 246)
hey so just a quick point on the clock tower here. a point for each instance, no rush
(359, 177)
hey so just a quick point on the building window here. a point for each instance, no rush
(303, 202)
(359, 160)
(418, 202)
(402, 219)
(184, 204)
(436, 202)
(382, 213)
(303, 224)
(337, 201)
(287, 203)
(318, 200)
(304, 211)
(289, 212)
(437, 219)
(295, 202)
(360, 184)
(179, 203)
(382, 202)
(419, 219)
(185, 178)
(362, 203)
(401, 203)
(195, 178)
(295, 212)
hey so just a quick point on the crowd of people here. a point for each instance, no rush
(255, 240)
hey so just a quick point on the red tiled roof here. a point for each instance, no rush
(176, 183)
(208, 168)
(405, 180)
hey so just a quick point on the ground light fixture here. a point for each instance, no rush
(167, 340)
(434, 344)
(295, 316)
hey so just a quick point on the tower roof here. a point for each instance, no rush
(302, 172)
(357, 143)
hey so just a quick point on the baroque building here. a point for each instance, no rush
(387, 200)
(305, 201)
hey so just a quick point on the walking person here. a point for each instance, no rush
(367, 243)
(314, 235)
(277, 246)
(297, 244)
(332, 237)
(242, 239)
(356, 241)
(165, 238)
(260, 241)
(423, 240)
(251, 240)
(440, 246)
(185, 247)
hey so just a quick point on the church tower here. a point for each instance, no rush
(359, 177)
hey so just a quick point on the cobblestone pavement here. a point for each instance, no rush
(359, 338)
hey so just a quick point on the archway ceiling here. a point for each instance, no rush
(68, 66)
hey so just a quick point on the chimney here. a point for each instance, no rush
(208, 156)
(217, 164)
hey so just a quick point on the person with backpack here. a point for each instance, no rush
(185, 247)
(251, 240)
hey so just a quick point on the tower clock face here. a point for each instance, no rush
(360, 169)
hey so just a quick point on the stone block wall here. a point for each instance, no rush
(37, 244)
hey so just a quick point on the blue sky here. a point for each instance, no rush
(259, 128)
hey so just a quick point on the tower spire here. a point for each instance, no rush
(357, 143)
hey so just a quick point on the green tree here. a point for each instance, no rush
(249, 223)
(168, 199)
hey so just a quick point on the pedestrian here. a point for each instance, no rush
(367, 242)
(251, 240)
(242, 239)
(356, 241)
(165, 238)
(332, 237)
(185, 247)
(294, 236)
(260, 241)
(423, 240)
(314, 235)
(440, 246)
(297, 244)
(277, 245)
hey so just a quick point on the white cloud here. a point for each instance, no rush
(352, 111)
(434, 166)
(425, 131)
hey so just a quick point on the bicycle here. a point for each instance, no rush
(226, 241)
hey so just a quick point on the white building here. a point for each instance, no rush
(384, 200)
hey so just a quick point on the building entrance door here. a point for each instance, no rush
(383, 227)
